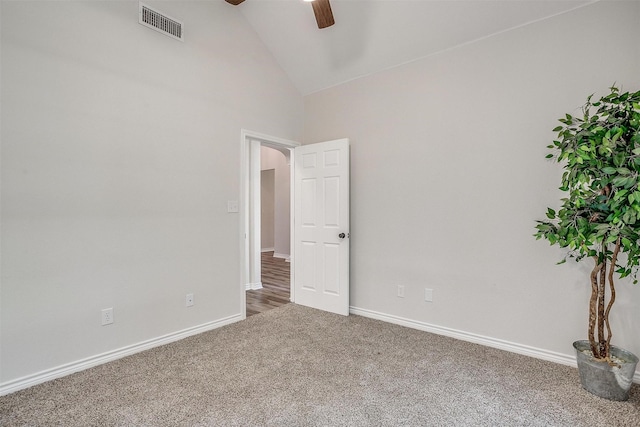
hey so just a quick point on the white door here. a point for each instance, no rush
(321, 229)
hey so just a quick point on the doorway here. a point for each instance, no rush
(275, 230)
(271, 286)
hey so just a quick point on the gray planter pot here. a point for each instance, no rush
(602, 379)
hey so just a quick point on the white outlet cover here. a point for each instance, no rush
(232, 206)
(107, 316)
(428, 295)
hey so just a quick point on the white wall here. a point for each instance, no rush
(267, 208)
(120, 150)
(448, 177)
(273, 159)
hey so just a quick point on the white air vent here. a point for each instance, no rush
(159, 21)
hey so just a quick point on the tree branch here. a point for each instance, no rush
(612, 299)
(602, 282)
(592, 307)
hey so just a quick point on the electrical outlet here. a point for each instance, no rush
(400, 291)
(189, 300)
(107, 316)
(232, 206)
(428, 295)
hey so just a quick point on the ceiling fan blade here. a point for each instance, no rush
(234, 2)
(322, 10)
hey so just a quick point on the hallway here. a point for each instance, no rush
(275, 286)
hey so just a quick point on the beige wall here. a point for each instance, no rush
(267, 208)
(274, 159)
(120, 150)
(448, 177)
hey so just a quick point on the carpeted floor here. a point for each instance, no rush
(295, 366)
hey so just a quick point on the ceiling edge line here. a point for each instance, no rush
(458, 46)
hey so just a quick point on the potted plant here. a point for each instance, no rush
(600, 219)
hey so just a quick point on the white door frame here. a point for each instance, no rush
(250, 208)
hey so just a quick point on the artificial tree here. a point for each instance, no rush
(600, 214)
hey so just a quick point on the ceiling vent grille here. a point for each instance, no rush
(159, 21)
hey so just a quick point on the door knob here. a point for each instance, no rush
(342, 235)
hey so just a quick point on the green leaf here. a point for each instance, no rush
(623, 171)
(632, 217)
(609, 170)
(619, 181)
(612, 238)
(620, 194)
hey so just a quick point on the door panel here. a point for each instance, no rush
(321, 256)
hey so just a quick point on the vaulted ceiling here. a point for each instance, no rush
(373, 35)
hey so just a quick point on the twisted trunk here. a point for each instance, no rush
(593, 302)
(612, 297)
(602, 281)
(599, 315)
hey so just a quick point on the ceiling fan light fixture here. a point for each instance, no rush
(321, 8)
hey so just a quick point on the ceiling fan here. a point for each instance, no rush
(321, 8)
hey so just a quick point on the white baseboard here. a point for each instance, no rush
(253, 286)
(267, 249)
(81, 365)
(277, 255)
(537, 353)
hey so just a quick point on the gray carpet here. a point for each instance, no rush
(295, 366)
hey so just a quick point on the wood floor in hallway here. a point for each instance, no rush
(275, 286)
